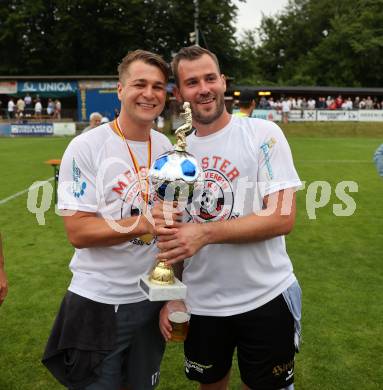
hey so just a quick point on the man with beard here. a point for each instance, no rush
(106, 334)
(242, 291)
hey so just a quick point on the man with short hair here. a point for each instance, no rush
(241, 288)
(106, 335)
(246, 103)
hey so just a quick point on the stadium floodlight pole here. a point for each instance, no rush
(196, 16)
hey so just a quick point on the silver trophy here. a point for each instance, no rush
(174, 176)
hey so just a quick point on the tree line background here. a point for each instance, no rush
(309, 42)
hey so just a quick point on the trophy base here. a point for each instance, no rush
(161, 292)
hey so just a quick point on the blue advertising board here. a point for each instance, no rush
(38, 129)
(270, 115)
(5, 129)
(48, 88)
(104, 101)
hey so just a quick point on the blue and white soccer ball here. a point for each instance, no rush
(175, 176)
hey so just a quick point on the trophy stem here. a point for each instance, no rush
(162, 274)
(174, 176)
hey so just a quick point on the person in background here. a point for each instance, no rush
(338, 102)
(369, 103)
(362, 104)
(57, 113)
(95, 119)
(20, 104)
(355, 104)
(11, 109)
(50, 107)
(376, 104)
(246, 103)
(272, 103)
(322, 103)
(311, 103)
(348, 104)
(378, 159)
(3, 276)
(285, 110)
(263, 104)
(297, 104)
(38, 109)
(160, 123)
(28, 105)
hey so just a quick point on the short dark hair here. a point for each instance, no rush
(191, 53)
(245, 98)
(145, 56)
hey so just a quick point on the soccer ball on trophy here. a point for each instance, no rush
(175, 176)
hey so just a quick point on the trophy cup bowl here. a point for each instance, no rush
(175, 176)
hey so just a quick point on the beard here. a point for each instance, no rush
(199, 116)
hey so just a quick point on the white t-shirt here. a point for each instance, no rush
(11, 106)
(97, 176)
(285, 106)
(27, 99)
(243, 162)
(38, 107)
(311, 104)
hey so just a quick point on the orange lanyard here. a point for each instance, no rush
(135, 163)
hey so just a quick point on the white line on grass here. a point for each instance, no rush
(5, 200)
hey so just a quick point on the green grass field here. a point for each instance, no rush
(337, 259)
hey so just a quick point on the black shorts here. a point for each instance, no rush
(264, 339)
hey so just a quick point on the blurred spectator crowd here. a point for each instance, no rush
(322, 103)
(28, 108)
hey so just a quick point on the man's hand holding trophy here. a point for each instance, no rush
(174, 176)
